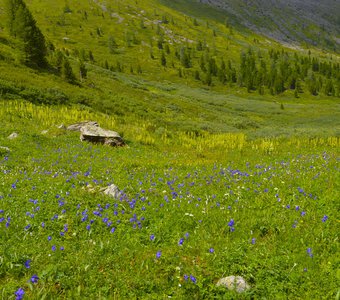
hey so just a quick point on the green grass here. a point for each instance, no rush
(197, 157)
(277, 195)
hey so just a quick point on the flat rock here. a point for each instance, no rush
(235, 283)
(96, 134)
(13, 136)
(78, 126)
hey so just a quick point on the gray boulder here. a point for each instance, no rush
(96, 134)
(234, 283)
(78, 126)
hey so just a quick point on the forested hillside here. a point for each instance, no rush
(155, 59)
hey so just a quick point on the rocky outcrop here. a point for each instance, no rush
(98, 135)
(236, 283)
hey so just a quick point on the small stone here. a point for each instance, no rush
(13, 135)
(113, 191)
(5, 149)
(236, 283)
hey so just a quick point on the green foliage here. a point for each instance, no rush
(22, 25)
(67, 72)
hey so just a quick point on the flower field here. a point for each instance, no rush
(183, 220)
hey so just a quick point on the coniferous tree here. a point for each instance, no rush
(112, 45)
(163, 60)
(67, 72)
(82, 70)
(22, 26)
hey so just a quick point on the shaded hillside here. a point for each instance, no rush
(290, 21)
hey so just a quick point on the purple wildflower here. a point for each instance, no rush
(19, 294)
(193, 279)
(158, 254)
(27, 264)
(152, 237)
(34, 278)
(180, 242)
(325, 218)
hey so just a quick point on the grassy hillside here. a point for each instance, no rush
(231, 165)
(122, 43)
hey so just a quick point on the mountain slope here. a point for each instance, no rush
(291, 21)
(173, 65)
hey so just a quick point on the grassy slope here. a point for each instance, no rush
(57, 167)
(277, 195)
(158, 94)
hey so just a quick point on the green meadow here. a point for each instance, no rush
(231, 163)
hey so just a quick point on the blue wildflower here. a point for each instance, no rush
(211, 250)
(152, 237)
(158, 254)
(54, 248)
(325, 218)
(180, 242)
(113, 229)
(253, 241)
(27, 264)
(34, 278)
(309, 251)
(193, 279)
(185, 277)
(231, 223)
(19, 294)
